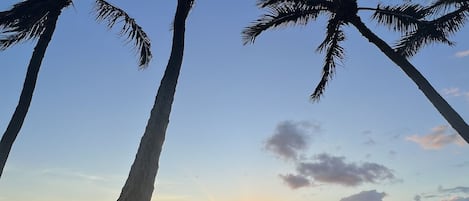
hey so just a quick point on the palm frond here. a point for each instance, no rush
(280, 15)
(312, 3)
(437, 30)
(445, 6)
(402, 18)
(26, 20)
(448, 3)
(130, 29)
(334, 53)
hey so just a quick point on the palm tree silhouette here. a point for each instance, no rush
(139, 184)
(410, 19)
(454, 14)
(36, 19)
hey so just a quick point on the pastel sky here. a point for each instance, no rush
(242, 127)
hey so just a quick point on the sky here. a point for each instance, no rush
(242, 126)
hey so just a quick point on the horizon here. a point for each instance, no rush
(242, 125)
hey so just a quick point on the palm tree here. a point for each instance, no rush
(36, 19)
(139, 184)
(413, 20)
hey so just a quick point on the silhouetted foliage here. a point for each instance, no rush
(131, 30)
(36, 19)
(419, 25)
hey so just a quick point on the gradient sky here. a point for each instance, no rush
(242, 126)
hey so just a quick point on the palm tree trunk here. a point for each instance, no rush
(453, 118)
(26, 96)
(139, 184)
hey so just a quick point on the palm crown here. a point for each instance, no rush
(414, 21)
(419, 25)
(27, 20)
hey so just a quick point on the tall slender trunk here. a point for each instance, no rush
(22, 108)
(139, 184)
(453, 118)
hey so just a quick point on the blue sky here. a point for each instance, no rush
(242, 126)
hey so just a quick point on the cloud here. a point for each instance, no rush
(290, 138)
(334, 170)
(452, 92)
(459, 189)
(369, 141)
(449, 194)
(462, 54)
(70, 174)
(455, 92)
(417, 198)
(455, 198)
(431, 196)
(463, 164)
(438, 138)
(392, 154)
(372, 195)
(295, 181)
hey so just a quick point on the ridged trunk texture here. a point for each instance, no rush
(139, 184)
(453, 118)
(22, 108)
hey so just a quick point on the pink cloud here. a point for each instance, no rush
(462, 54)
(438, 138)
(456, 198)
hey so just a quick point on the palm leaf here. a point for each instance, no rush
(312, 3)
(26, 20)
(437, 30)
(334, 53)
(449, 3)
(130, 29)
(280, 15)
(402, 18)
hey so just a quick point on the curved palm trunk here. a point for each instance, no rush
(139, 184)
(453, 118)
(22, 108)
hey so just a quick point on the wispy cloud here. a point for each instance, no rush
(459, 189)
(458, 193)
(392, 154)
(456, 198)
(438, 138)
(295, 181)
(417, 198)
(461, 54)
(369, 140)
(372, 195)
(71, 174)
(291, 137)
(463, 164)
(455, 92)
